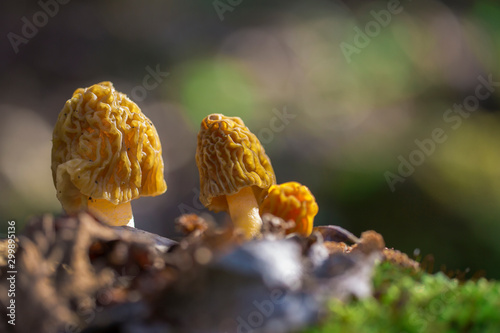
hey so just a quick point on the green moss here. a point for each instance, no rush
(408, 302)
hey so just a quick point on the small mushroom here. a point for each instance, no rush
(234, 170)
(291, 201)
(105, 152)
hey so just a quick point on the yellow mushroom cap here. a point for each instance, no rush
(104, 147)
(229, 158)
(291, 201)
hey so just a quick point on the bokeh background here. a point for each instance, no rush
(351, 119)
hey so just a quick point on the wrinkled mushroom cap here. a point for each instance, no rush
(229, 158)
(104, 147)
(291, 201)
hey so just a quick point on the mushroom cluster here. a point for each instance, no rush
(236, 176)
(106, 152)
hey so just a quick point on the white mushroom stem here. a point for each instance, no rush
(244, 211)
(115, 215)
(131, 222)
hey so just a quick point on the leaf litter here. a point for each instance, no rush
(76, 273)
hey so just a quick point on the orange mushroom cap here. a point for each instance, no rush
(291, 201)
(104, 147)
(230, 158)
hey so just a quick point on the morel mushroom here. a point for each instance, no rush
(234, 170)
(105, 153)
(291, 201)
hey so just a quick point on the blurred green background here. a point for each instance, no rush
(338, 92)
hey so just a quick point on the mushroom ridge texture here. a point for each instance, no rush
(291, 201)
(104, 147)
(230, 157)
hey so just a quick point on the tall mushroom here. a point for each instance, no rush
(291, 201)
(234, 170)
(105, 153)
